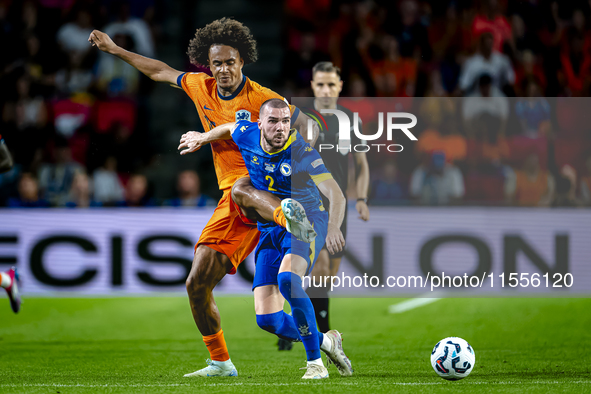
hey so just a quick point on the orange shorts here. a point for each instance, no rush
(229, 232)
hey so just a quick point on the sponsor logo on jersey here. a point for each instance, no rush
(270, 167)
(242, 115)
(255, 160)
(285, 169)
(317, 162)
(309, 149)
(205, 107)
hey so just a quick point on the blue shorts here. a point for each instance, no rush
(275, 242)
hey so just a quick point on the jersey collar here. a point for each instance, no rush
(236, 92)
(291, 139)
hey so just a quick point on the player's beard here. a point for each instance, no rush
(274, 142)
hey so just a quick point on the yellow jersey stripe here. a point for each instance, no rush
(318, 179)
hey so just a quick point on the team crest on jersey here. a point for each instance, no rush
(255, 160)
(270, 167)
(242, 115)
(285, 169)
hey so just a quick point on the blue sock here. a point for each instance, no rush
(290, 286)
(282, 325)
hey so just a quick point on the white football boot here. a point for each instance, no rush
(215, 368)
(297, 221)
(336, 355)
(315, 371)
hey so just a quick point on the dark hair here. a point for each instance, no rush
(272, 103)
(223, 31)
(325, 67)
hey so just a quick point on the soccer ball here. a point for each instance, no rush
(453, 358)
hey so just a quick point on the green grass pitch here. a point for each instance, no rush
(146, 344)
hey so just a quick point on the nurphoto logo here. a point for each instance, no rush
(345, 128)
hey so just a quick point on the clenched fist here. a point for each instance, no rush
(102, 41)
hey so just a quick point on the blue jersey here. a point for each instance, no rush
(292, 172)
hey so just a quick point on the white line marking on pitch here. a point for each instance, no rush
(411, 304)
(401, 383)
(289, 384)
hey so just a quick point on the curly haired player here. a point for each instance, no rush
(225, 46)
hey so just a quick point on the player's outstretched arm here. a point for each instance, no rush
(5, 158)
(152, 68)
(193, 140)
(335, 242)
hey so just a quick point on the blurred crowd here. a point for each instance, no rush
(71, 114)
(500, 88)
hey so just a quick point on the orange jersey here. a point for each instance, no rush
(214, 110)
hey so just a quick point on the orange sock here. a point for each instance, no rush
(216, 344)
(279, 217)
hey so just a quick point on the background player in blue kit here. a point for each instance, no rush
(281, 162)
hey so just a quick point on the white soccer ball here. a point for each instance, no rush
(453, 358)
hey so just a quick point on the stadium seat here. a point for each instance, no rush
(107, 113)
